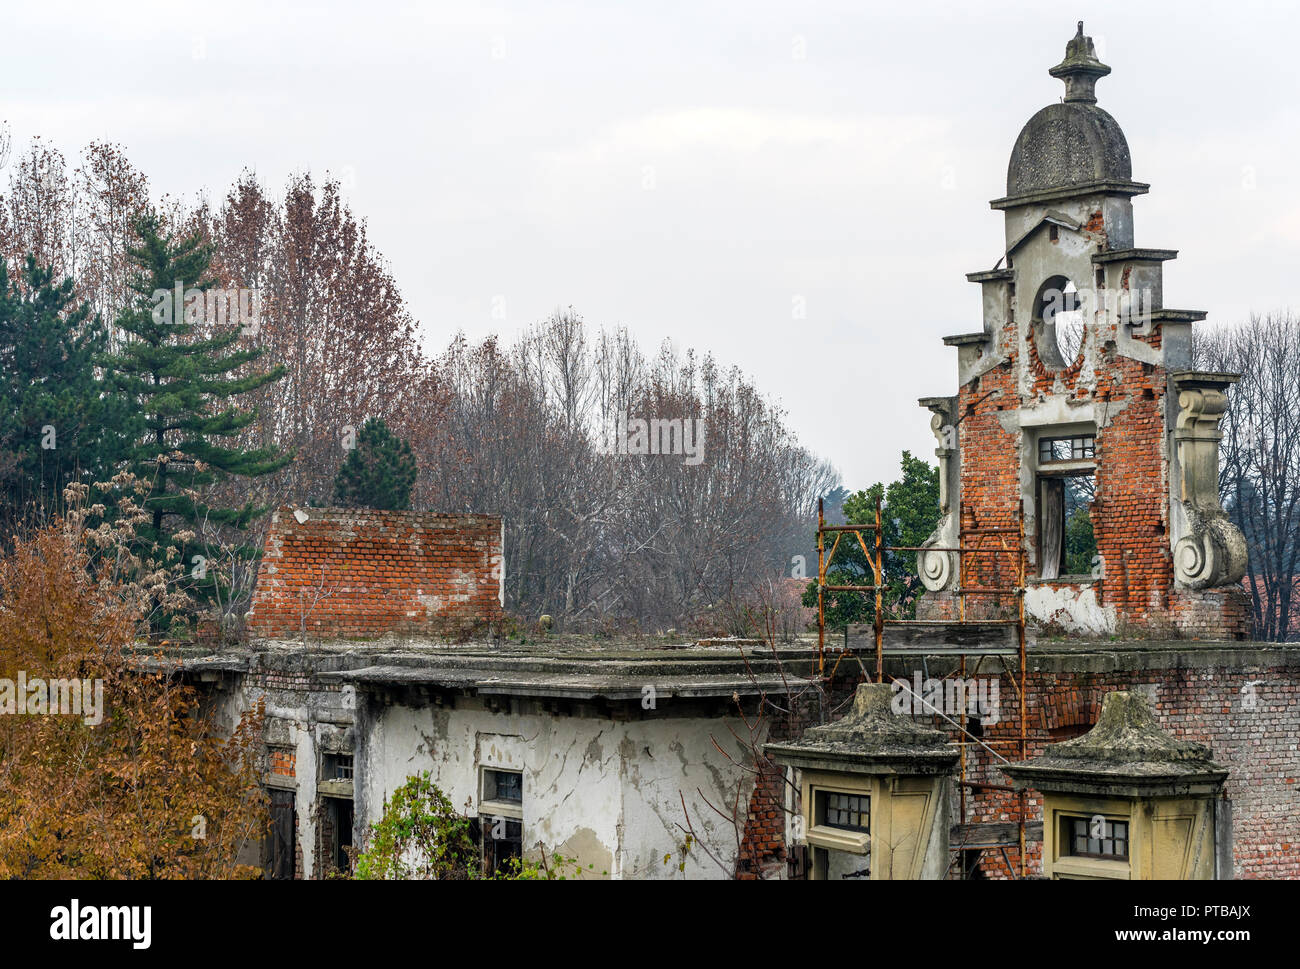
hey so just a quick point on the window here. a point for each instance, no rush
(499, 838)
(1080, 540)
(1067, 542)
(1097, 837)
(499, 828)
(848, 812)
(838, 824)
(336, 833)
(337, 767)
(1079, 447)
(503, 785)
(1059, 317)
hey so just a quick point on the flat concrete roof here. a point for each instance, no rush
(618, 669)
(564, 669)
(608, 686)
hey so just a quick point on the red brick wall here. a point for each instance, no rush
(1251, 733)
(990, 481)
(1131, 510)
(763, 846)
(763, 843)
(1206, 704)
(1213, 613)
(362, 573)
(282, 761)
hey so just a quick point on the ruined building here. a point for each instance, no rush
(1082, 563)
(378, 648)
(1080, 449)
(1077, 402)
(1079, 478)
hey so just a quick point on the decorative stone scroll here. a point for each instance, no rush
(938, 570)
(1211, 551)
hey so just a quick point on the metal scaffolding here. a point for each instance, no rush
(962, 637)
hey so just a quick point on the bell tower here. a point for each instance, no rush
(1077, 401)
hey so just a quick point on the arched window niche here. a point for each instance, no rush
(1058, 323)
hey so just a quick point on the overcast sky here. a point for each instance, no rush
(698, 171)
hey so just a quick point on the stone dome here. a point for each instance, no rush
(1074, 142)
(1068, 144)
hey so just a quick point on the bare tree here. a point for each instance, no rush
(604, 538)
(334, 316)
(75, 222)
(594, 537)
(1259, 480)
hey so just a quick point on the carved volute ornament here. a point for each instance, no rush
(1212, 551)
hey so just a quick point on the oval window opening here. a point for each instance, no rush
(1059, 323)
(1067, 324)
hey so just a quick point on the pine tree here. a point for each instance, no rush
(185, 378)
(378, 472)
(57, 425)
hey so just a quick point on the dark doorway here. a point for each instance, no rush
(280, 841)
(338, 819)
(499, 838)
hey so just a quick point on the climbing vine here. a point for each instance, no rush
(419, 836)
(422, 836)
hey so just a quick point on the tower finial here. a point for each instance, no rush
(1080, 69)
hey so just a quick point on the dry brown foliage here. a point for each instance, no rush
(148, 792)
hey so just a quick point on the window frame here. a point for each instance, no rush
(1043, 325)
(1066, 865)
(1083, 448)
(1082, 462)
(1071, 820)
(508, 808)
(824, 808)
(341, 771)
(819, 834)
(493, 852)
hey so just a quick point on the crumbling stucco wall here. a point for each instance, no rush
(608, 792)
(304, 715)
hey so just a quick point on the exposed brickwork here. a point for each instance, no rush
(763, 844)
(763, 847)
(364, 573)
(1213, 614)
(1247, 716)
(1130, 513)
(1246, 712)
(990, 485)
(282, 761)
(937, 605)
